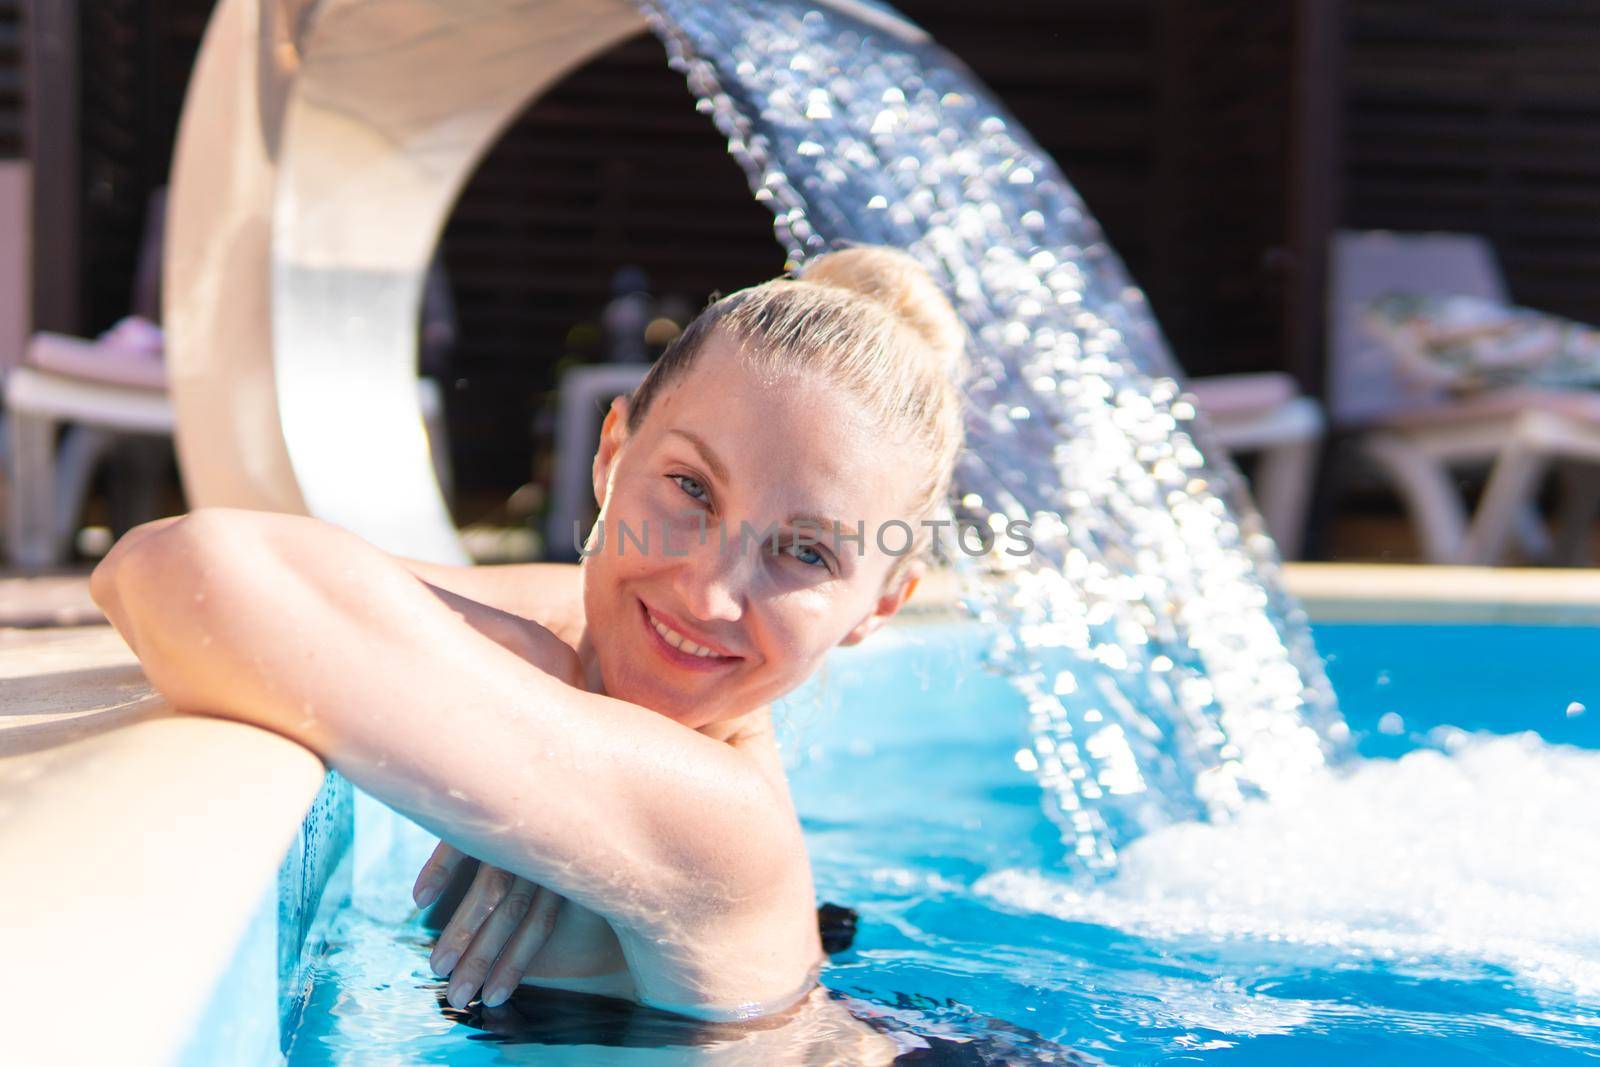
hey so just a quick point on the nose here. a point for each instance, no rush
(713, 583)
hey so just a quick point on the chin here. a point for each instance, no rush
(649, 692)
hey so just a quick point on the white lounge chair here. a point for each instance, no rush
(1419, 435)
(72, 402)
(1266, 414)
(16, 200)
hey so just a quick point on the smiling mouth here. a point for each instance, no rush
(680, 649)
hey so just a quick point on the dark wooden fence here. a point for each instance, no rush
(11, 80)
(1482, 116)
(1216, 142)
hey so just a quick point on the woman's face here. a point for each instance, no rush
(707, 620)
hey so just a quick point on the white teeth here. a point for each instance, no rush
(678, 641)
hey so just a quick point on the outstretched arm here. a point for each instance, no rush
(304, 629)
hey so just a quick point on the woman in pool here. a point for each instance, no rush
(599, 735)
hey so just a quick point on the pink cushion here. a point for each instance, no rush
(128, 354)
(1243, 394)
(135, 333)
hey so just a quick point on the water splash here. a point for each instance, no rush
(1478, 861)
(1167, 674)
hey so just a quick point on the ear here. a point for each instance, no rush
(613, 432)
(892, 600)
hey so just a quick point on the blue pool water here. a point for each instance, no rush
(1436, 901)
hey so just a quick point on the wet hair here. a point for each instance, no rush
(868, 318)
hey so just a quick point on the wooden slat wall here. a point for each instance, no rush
(11, 80)
(1483, 116)
(137, 55)
(1170, 119)
(1218, 203)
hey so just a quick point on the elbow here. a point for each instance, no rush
(104, 580)
(156, 566)
(112, 583)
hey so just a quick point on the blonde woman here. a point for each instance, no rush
(598, 735)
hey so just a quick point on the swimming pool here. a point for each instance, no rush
(1435, 900)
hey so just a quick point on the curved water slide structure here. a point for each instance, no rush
(318, 157)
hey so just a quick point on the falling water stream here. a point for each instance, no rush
(1167, 674)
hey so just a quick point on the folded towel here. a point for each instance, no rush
(1469, 343)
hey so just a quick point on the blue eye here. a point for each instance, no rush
(691, 487)
(808, 555)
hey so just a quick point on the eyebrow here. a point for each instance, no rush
(717, 468)
(721, 473)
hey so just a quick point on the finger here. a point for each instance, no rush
(490, 939)
(488, 886)
(435, 874)
(531, 934)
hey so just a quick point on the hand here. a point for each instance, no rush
(498, 928)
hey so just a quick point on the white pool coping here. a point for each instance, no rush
(1337, 592)
(139, 846)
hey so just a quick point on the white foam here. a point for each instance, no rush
(1489, 854)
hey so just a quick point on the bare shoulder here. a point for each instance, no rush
(550, 594)
(555, 656)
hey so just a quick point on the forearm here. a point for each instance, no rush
(311, 634)
(178, 565)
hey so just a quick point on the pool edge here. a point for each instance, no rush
(1387, 592)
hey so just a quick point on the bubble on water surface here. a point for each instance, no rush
(1433, 864)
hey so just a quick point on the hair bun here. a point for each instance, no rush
(904, 287)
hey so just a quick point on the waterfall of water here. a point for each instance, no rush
(1167, 674)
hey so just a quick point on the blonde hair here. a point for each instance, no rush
(870, 319)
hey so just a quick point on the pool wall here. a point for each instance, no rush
(196, 860)
(286, 932)
(138, 850)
